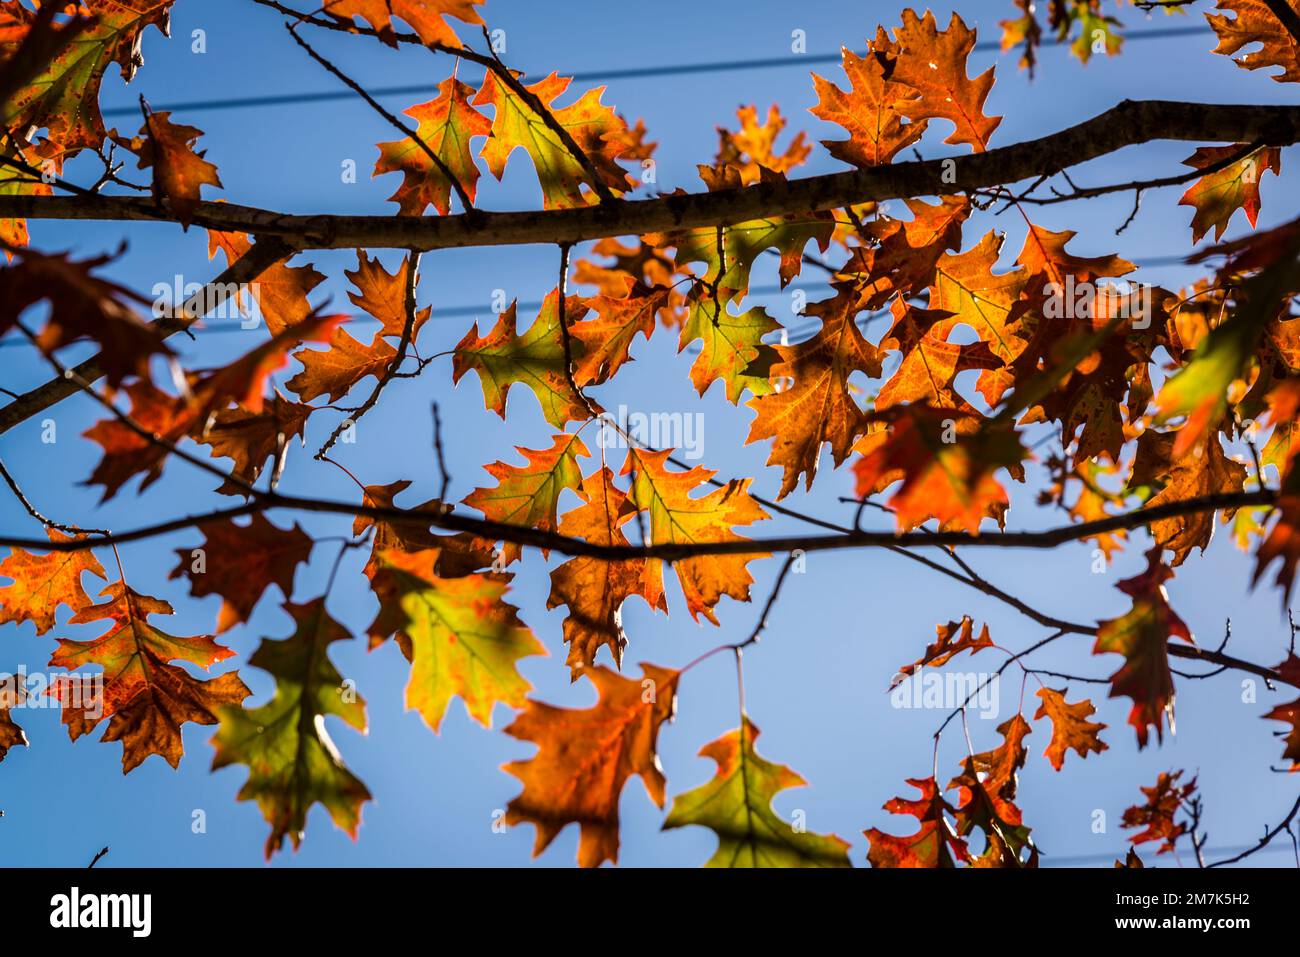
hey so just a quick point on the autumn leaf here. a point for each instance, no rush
(1193, 475)
(81, 306)
(250, 438)
(503, 358)
(1216, 196)
(935, 844)
(731, 346)
(179, 172)
(595, 589)
(63, 99)
(280, 291)
(606, 338)
(1289, 713)
(1070, 726)
(930, 363)
(126, 452)
(594, 127)
(987, 805)
(737, 806)
(445, 124)
(1156, 816)
(459, 635)
(869, 111)
(945, 460)
(998, 770)
(334, 371)
(752, 148)
(41, 583)
(933, 62)
(1142, 636)
(383, 295)
(585, 757)
(292, 761)
(678, 517)
(1253, 22)
(953, 638)
(145, 698)
(818, 408)
(728, 261)
(426, 17)
(240, 562)
(11, 736)
(1283, 543)
(529, 495)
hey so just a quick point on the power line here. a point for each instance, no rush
(627, 73)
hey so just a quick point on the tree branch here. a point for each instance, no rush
(263, 254)
(1130, 123)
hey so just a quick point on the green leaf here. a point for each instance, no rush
(737, 806)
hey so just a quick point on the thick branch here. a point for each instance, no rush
(678, 551)
(1128, 124)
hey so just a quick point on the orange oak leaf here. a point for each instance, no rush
(651, 266)
(953, 638)
(179, 173)
(606, 338)
(1283, 542)
(250, 438)
(240, 562)
(930, 363)
(1217, 195)
(280, 292)
(81, 306)
(529, 495)
(459, 635)
(598, 132)
(902, 254)
(144, 697)
(677, 517)
(335, 370)
(445, 124)
(244, 380)
(383, 295)
(1142, 637)
(935, 844)
(752, 148)
(1289, 713)
(933, 62)
(126, 452)
(1253, 22)
(1192, 475)
(426, 17)
(292, 761)
(593, 589)
(946, 461)
(818, 407)
(41, 583)
(1156, 816)
(504, 357)
(998, 770)
(870, 111)
(585, 757)
(1070, 726)
(170, 418)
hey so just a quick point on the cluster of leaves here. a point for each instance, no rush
(1143, 413)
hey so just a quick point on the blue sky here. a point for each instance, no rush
(816, 685)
